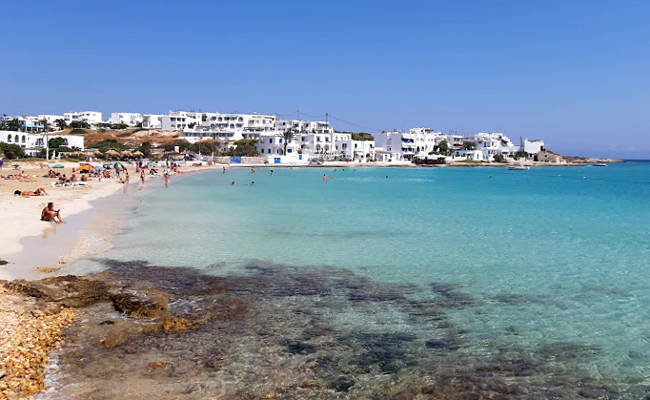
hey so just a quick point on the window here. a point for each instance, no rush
(280, 140)
(270, 140)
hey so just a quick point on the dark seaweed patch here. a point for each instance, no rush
(450, 296)
(268, 334)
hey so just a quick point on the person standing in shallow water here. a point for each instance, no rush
(142, 178)
(324, 178)
(166, 175)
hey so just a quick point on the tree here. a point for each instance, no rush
(109, 144)
(60, 123)
(362, 136)
(56, 142)
(80, 124)
(11, 125)
(469, 145)
(287, 135)
(442, 148)
(11, 151)
(499, 158)
(244, 147)
(145, 148)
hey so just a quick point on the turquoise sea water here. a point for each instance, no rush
(549, 260)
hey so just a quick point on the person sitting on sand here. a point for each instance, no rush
(50, 214)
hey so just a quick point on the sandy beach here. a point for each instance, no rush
(31, 330)
(21, 215)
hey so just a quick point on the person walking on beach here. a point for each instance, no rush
(142, 178)
(50, 214)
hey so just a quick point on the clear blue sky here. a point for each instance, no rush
(575, 73)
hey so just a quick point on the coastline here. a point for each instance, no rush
(118, 320)
(30, 241)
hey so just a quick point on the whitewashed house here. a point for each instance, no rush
(50, 119)
(390, 147)
(90, 117)
(35, 142)
(230, 127)
(532, 147)
(180, 120)
(129, 119)
(152, 121)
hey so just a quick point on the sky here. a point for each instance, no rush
(575, 73)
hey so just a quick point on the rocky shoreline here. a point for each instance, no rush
(143, 331)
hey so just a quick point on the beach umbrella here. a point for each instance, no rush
(137, 154)
(99, 168)
(126, 153)
(112, 153)
(57, 166)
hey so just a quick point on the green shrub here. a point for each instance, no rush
(11, 151)
(79, 124)
(109, 144)
(362, 136)
(499, 158)
(78, 131)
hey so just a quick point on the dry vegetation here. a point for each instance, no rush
(129, 137)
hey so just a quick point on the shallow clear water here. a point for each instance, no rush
(528, 261)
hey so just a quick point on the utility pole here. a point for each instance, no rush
(327, 115)
(298, 114)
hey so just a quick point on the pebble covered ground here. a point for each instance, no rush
(27, 336)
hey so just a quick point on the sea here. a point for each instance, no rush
(430, 282)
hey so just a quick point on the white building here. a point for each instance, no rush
(35, 142)
(51, 120)
(421, 142)
(324, 146)
(90, 117)
(391, 147)
(532, 147)
(152, 121)
(129, 119)
(230, 127)
(303, 126)
(180, 120)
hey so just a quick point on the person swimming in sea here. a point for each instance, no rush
(232, 183)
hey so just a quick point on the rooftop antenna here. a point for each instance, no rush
(298, 114)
